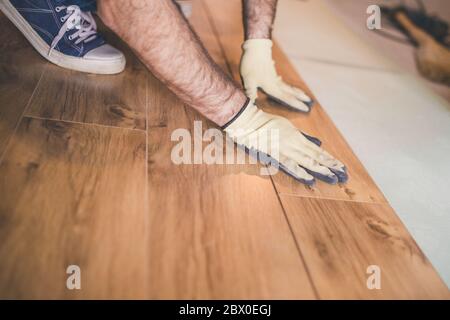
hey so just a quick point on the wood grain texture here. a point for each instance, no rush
(216, 231)
(73, 194)
(140, 226)
(337, 251)
(340, 239)
(20, 70)
(226, 16)
(112, 100)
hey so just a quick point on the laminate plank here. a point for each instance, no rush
(216, 231)
(227, 16)
(341, 239)
(20, 70)
(73, 194)
(112, 100)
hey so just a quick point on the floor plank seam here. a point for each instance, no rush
(25, 109)
(297, 245)
(147, 190)
(84, 123)
(333, 199)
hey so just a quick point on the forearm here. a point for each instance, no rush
(259, 16)
(164, 41)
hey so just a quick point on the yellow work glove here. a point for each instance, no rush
(274, 139)
(258, 72)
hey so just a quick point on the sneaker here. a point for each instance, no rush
(64, 35)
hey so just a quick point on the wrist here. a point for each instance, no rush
(229, 109)
(252, 32)
(257, 44)
(258, 51)
(237, 115)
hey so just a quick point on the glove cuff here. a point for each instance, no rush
(246, 104)
(257, 44)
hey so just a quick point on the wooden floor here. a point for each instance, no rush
(86, 179)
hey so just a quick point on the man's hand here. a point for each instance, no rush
(295, 153)
(258, 71)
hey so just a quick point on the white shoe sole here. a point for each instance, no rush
(112, 66)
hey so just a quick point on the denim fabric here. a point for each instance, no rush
(45, 20)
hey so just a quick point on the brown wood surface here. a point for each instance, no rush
(112, 100)
(340, 239)
(73, 194)
(82, 184)
(20, 71)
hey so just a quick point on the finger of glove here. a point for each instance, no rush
(288, 100)
(296, 92)
(342, 175)
(251, 89)
(292, 168)
(325, 159)
(321, 156)
(314, 168)
(285, 164)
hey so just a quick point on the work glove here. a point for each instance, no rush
(293, 152)
(258, 71)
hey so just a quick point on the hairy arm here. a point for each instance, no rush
(259, 16)
(164, 41)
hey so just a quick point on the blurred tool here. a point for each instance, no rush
(428, 33)
(434, 26)
(432, 58)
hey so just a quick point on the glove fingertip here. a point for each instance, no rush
(309, 183)
(341, 175)
(310, 103)
(289, 172)
(332, 179)
(307, 109)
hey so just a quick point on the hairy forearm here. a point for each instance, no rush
(164, 41)
(259, 16)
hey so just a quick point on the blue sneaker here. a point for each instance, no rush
(64, 35)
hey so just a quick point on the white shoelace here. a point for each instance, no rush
(75, 19)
